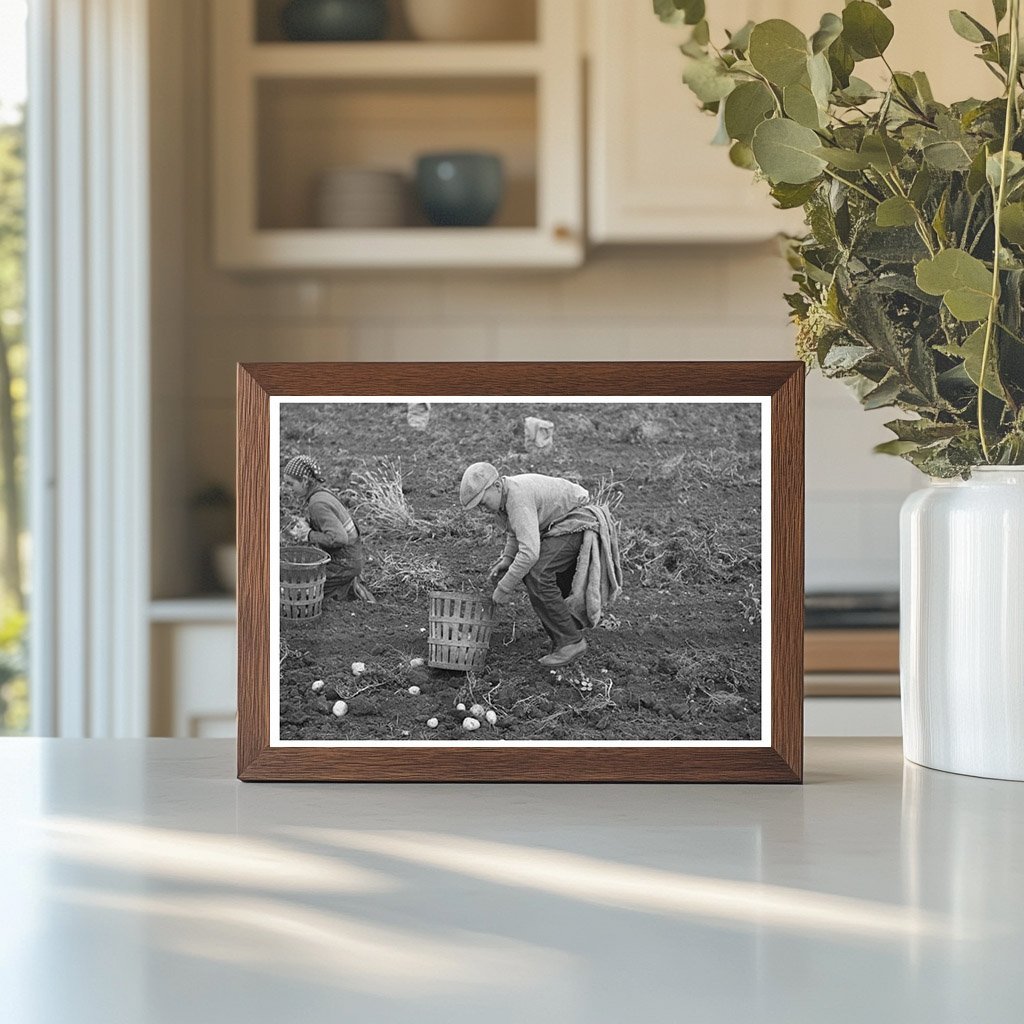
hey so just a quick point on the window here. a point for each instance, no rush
(14, 704)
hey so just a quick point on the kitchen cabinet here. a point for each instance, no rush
(287, 113)
(653, 175)
(193, 655)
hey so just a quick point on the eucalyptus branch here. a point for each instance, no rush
(908, 100)
(771, 89)
(1006, 330)
(853, 185)
(969, 217)
(995, 71)
(1000, 198)
(981, 231)
(923, 227)
(898, 290)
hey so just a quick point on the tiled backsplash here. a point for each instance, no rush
(701, 303)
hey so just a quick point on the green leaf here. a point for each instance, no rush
(906, 87)
(921, 186)
(939, 220)
(745, 108)
(676, 12)
(844, 159)
(741, 155)
(971, 352)
(830, 29)
(883, 153)
(997, 53)
(946, 156)
(841, 358)
(924, 87)
(778, 50)
(896, 212)
(968, 28)
(895, 447)
(701, 33)
(789, 197)
(858, 91)
(694, 11)
(866, 29)
(921, 369)
(963, 281)
(739, 41)
(822, 222)
(1012, 224)
(999, 7)
(1014, 169)
(885, 394)
(923, 431)
(820, 76)
(841, 60)
(976, 175)
(708, 80)
(785, 152)
(800, 105)
(668, 11)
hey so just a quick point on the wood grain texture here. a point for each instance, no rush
(782, 762)
(252, 485)
(788, 568)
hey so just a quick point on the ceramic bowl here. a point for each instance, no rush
(358, 197)
(334, 20)
(460, 189)
(470, 20)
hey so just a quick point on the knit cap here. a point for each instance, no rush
(302, 467)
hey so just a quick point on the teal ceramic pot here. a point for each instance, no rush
(331, 21)
(461, 190)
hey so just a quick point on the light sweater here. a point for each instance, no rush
(531, 502)
(332, 526)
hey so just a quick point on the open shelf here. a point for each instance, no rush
(308, 127)
(393, 60)
(520, 17)
(286, 114)
(407, 248)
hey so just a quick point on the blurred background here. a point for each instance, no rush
(244, 180)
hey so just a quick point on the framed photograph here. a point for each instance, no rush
(517, 572)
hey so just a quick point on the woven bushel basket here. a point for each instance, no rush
(303, 574)
(460, 631)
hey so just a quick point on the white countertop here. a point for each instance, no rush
(142, 884)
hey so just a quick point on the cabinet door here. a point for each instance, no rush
(194, 677)
(286, 113)
(654, 175)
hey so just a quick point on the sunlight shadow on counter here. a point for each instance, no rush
(741, 904)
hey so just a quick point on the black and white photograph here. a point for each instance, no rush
(554, 571)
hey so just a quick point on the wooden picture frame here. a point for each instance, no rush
(777, 757)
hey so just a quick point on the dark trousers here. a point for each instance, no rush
(549, 582)
(345, 565)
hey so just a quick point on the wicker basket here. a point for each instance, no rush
(303, 574)
(460, 631)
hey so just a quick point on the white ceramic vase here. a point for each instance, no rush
(962, 624)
